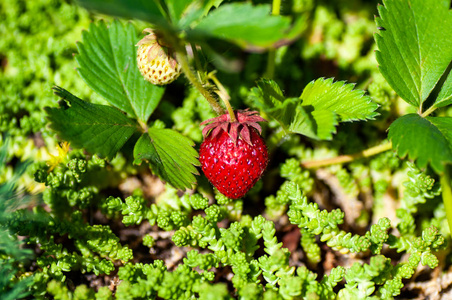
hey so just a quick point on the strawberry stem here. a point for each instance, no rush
(428, 111)
(162, 10)
(224, 96)
(197, 60)
(143, 126)
(183, 61)
(270, 71)
(347, 158)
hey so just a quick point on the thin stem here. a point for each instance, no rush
(347, 158)
(196, 57)
(183, 61)
(276, 7)
(143, 126)
(223, 95)
(447, 195)
(163, 10)
(270, 71)
(428, 111)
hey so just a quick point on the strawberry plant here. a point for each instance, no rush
(226, 150)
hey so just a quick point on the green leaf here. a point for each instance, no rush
(326, 122)
(176, 8)
(175, 12)
(171, 156)
(340, 98)
(99, 129)
(287, 112)
(415, 45)
(107, 60)
(251, 27)
(316, 113)
(316, 124)
(211, 3)
(272, 94)
(425, 140)
(131, 9)
(195, 11)
(445, 95)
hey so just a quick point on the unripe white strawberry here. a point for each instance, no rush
(156, 62)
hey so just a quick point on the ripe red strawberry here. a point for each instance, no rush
(233, 155)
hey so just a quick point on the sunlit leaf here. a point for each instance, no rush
(146, 10)
(99, 129)
(251, 27)
(445, 95)
(415, 45)
(107, 60)
(316, 113)
(171, 156)
(424, 140)
(339, 97)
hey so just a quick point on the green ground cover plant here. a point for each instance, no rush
(113, 113)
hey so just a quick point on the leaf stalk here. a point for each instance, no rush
(347, 158)
(224, 96)
(196, 58)
(143, 126)
(428, 111)
(270, 71)
(183, 61)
